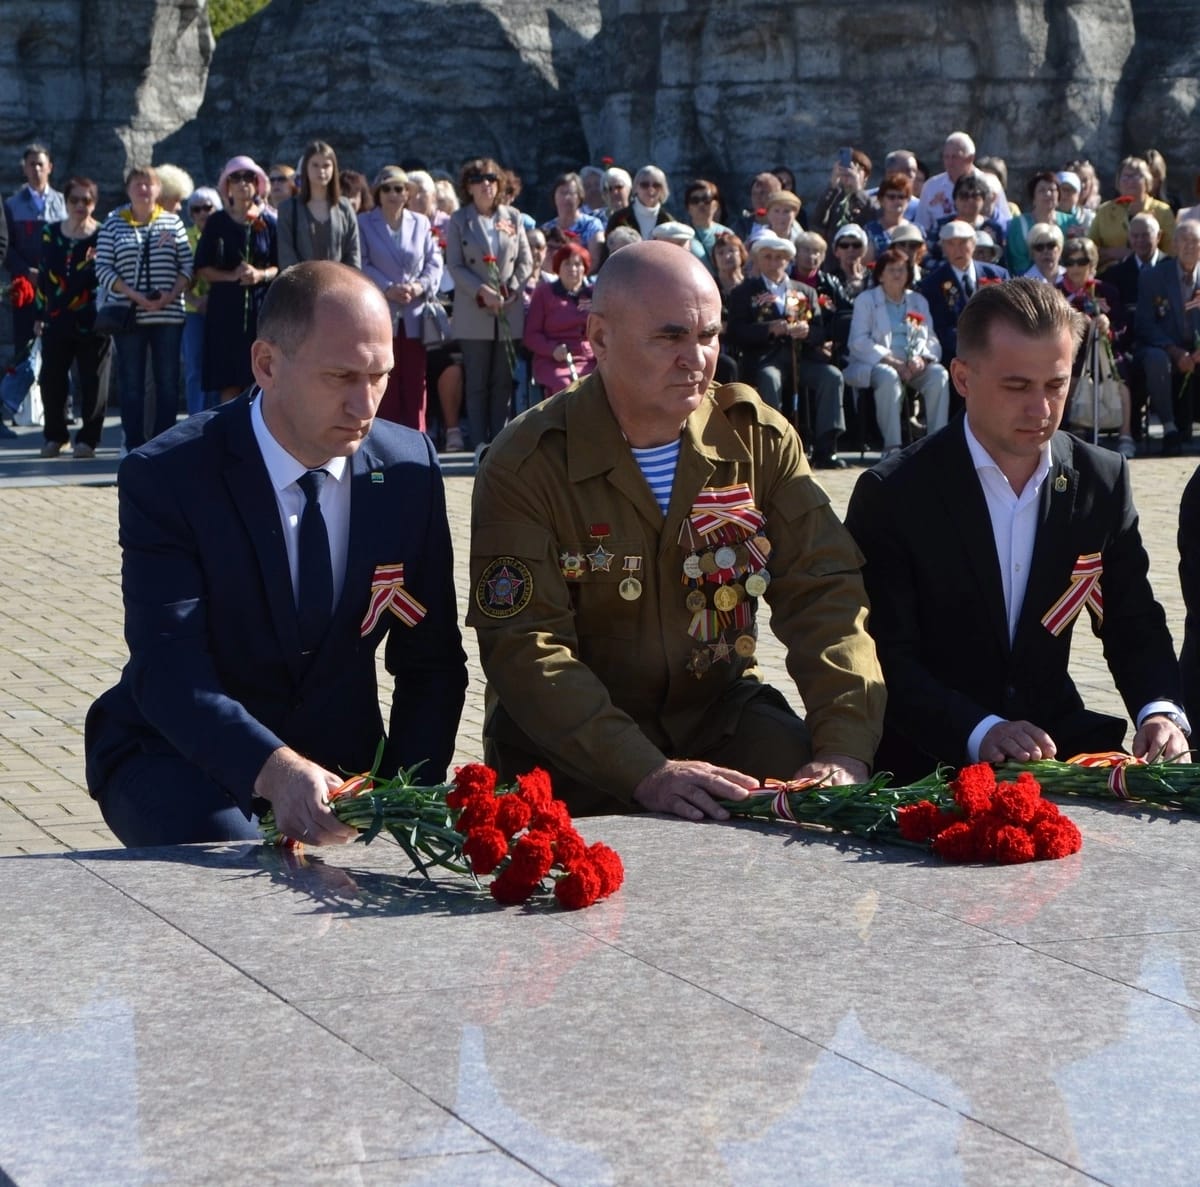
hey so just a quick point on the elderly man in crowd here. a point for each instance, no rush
(937, 194)
(1167, 329)
(783, 333)
(622, 535)
(952, 283)
(986, 542)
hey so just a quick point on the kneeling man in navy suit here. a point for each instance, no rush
(986, 542)
(269, 547)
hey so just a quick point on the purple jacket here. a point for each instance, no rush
(415, 257)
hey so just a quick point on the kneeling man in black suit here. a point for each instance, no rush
(269, 547)
(987, 541)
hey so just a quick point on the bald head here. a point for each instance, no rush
(291, 304)
(640, 271)
(654, 325)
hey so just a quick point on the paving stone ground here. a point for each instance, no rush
(62, 642)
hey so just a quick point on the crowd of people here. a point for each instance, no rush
(842, 310)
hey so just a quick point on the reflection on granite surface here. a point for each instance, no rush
(756, 1005)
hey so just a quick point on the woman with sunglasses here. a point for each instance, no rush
(318, 223)
(400, 254)
(1042, 191)
(1046, 247)
(1101, 303)
(893, 198)
(238, 254)
(65, 314)
(488, 255)
(200, 204)
(143, 259)
(703, 202)
(649, 205)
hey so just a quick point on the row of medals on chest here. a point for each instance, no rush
(734, 562)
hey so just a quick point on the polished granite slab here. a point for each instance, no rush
(757, 1005)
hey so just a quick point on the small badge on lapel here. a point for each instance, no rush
(1060, 484)
(388, 593)
(377, 476)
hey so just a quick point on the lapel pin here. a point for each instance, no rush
(376, 476)
(1060, 484)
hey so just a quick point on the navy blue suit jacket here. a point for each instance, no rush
(947, 300)
(215, 673)
(937, 601)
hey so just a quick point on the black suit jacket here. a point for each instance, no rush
(937, 602)
(1123, 276)
(1161, 318)
(215, 673)
(1189, 581)
(752, 308)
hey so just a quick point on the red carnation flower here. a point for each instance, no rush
(973, 788)
(475, 777)
(532, 857)
(1017, 802)
(1056, 838)
(478, 812)
(916, 821)
(512, 814)
(606, 162)
(569, 848)
(956, 843)
(485, 849)
(534, 788)
(552, 819)
(607, 864)
(761, 212)
(509, 889)
(580, 888)
(1045, 810)
(489, 259)
(1013, 845)
(1124, 200)
(20, 292)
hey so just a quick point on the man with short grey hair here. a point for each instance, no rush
(937, 194)
(34, 205)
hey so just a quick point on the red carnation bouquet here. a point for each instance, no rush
(971, 818)
(519, 833)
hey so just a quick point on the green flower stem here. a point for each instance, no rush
(1169, 785)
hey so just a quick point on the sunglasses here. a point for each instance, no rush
(393, 189)
(1044, 246)
(1076, 261)
(202, 208)
(481, 178)
(81, 200)
(701, 200)
(848, 245)
(279, 179)
(246, 175)
(649, 185)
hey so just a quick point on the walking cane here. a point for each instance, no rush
(1095, 385)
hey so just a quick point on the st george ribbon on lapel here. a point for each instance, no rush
(314, 602)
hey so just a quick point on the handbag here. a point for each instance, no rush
(1096, 401)
(435, 325)
(120, 317)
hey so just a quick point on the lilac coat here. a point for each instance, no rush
(414, 258)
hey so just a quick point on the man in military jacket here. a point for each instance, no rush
(623, 534)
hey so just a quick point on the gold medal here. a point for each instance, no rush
(744, 646)
(691, 567)
(708, 563)
(630, 589)
(763, 545)
(696, 601)
(725, 557)
(756, 584)
(725, 597)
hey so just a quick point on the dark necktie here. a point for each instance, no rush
(968, 287)
(314, 600)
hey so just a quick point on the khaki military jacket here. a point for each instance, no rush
(608, 685)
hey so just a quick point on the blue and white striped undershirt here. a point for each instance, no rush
(658, 465)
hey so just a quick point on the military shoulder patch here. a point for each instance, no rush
(504, 588)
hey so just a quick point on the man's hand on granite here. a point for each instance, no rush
(834, 769)
(691, 789)
(298, 790)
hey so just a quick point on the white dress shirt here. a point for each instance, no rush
(1014, 519)
(284, 472)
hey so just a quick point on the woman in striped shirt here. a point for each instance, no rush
(143, 258)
